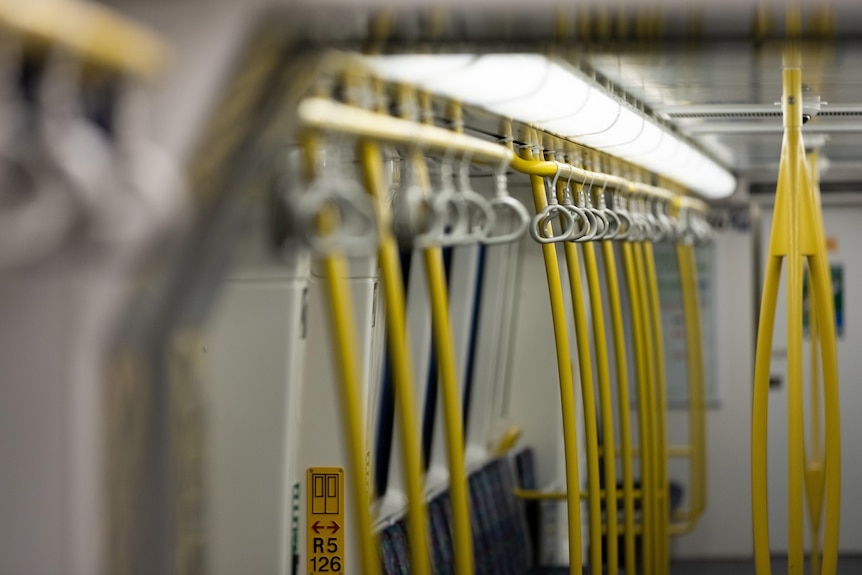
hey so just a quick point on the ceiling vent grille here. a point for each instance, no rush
(742, 113)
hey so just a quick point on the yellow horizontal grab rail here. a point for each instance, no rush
(532, 494)
(673, 451)
(92, 32)
(328, 115)
(324, 114)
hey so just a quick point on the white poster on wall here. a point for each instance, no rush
(673, 322)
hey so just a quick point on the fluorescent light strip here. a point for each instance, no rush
(552, 96)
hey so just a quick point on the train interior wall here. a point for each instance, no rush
(183, 99)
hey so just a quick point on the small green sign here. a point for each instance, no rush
(838, 300)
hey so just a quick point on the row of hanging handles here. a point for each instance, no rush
(453, 213)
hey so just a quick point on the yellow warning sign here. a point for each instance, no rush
(325, 520)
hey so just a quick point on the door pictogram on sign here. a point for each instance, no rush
(324, 520)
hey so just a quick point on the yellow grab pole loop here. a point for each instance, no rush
(564, 367)
(797, 236)
(700, 392)
(402, 371)
(588, 395)
(815, 472)
(644, 404)
(696, 450)
(663, 502)
(343, 333)
(623, 403)
(606, 404)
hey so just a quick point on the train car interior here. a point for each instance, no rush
(309, 287)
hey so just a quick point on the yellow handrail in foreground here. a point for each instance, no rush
(343, 333)
(594, 502)
(644, 408)
(623, 403)
(797, 236)
(564, 367)
(402, 371)
(93, 33)
(662, 499)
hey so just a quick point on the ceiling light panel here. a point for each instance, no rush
(554, 97)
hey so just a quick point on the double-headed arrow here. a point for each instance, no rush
(333, 527)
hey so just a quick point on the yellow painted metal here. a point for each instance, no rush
(815, 471)
(94, 33)
(797, 237)
(342, 330)
(606, 405)
(815, 475)
(402, 371)
(645, 403)
(564, 367)
(560, 495)
(450, 394)
(623, 403)
(695, 341)
(507, 441)
(585, 369)
(660, 387)
(657, 460)
(325, 114)
(696, 451)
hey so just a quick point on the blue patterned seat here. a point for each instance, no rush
(501, 545)
(395, 555)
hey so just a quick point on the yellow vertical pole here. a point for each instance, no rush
(663, 502)
(700, 427)
(797, 233)
(795, 177)
(606, 403)
(623, 403)
(609, 458)
(644, 408)
(654, 494)
(343, 334)
(564, 367)
(589, 401)
(402, 371)
(451, 400)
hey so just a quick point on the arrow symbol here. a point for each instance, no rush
(317, 527)
(333, 527)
